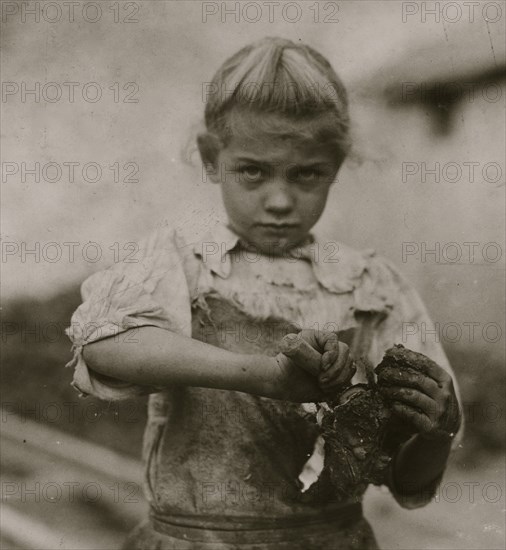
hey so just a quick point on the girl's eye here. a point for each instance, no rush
(305, 176)
(308, 174)
(251, 173)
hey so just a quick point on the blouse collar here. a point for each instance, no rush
(336, 266)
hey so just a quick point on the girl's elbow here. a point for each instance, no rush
(97, 358)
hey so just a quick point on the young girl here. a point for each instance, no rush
(230, 431)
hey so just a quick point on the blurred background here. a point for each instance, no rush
(101, 103)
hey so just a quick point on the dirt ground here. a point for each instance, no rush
(468, 513)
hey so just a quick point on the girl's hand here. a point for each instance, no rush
(293, 383)
(304, 376)
(426, 399)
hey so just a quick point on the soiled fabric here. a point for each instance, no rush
(356, 535)
(223, 468)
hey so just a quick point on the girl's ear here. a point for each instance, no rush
(209, 147)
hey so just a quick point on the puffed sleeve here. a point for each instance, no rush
(408, 323)
(150, 290)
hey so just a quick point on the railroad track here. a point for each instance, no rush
(58, 491)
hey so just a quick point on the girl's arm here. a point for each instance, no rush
(163, 358)
(428, 401)
(420, 463)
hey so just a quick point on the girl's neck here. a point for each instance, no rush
(273, 250)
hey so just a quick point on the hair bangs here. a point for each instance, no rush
(278, 76)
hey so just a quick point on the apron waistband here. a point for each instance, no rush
(259, 530)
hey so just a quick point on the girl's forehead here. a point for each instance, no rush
(242, 121)
(275, 147)
(270, 135)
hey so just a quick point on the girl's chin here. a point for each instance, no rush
(271, 246)
(265, 241)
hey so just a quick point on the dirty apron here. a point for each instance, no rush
(223, 467)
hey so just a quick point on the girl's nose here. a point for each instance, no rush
(279, 200)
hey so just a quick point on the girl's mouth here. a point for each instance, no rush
(279, 226)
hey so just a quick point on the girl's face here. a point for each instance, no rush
(274, 188)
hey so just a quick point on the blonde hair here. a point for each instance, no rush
(279, 76)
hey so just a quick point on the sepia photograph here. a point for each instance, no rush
(252, 275)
